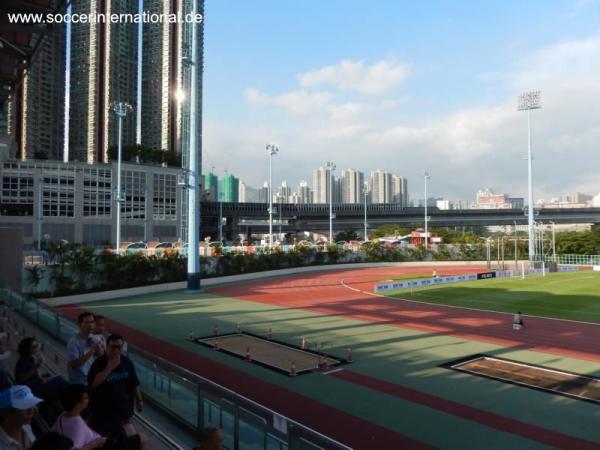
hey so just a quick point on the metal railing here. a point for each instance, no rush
(194, 401)
(579, 260)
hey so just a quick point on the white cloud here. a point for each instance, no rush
(356, 76)
(465, 150)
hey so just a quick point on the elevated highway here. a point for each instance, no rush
(254, 217)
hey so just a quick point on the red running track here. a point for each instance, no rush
(324, 293)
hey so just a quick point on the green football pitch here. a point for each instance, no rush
(567, 295)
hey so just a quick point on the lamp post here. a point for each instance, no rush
(516, 239)
(426, 177)
(330, 168)
(220, 218)
(271, 150)
(365, 191)
(120, 109)
(527, 102)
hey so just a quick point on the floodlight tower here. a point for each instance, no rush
(330, 168)
(426, 177)
(528, 101)
(271, 150)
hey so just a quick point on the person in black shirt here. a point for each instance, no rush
(114, 387)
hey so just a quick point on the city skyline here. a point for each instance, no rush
(420, 87)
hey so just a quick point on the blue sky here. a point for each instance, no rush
(404, 86)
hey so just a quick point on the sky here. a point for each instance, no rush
(406, 87)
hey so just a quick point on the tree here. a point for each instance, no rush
(389, 230)
(346, 235)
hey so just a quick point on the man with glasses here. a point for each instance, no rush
(114, 389)
(81, 350)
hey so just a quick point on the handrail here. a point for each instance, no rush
(186, 375)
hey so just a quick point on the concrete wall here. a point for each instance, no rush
(11, 257)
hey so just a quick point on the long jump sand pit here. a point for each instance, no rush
(275, 355)
(569, 384)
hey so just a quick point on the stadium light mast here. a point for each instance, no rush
(330, 168)
(426, 177)
(271, 150)
(528, 101)
(365, 192)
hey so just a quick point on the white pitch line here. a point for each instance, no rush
(461, 307)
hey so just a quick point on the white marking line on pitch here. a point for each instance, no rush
(461, 307)
(569, 279)
(332, 371)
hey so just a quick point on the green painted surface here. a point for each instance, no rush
(407, 357)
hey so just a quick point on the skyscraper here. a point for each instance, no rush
(103, 71)
(263, 193)
(43, 101)
(210, 187)
(399, 190)
(283, 193)
(351, 185)
(231, 186)
(381, 187)
(164, 91)
(242, 192)
(321, 180)
(33, 116)
(305, 194)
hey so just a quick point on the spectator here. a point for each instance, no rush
(53, 441)
(81, 351)
(114, 388)
(210, 439)
(98, 333)
(16, 411)
(75, 399)
(27, 371)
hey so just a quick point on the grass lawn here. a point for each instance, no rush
(568, 295)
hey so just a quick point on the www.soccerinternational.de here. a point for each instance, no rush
(144, 17)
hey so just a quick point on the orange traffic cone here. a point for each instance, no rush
(191, 336)
(270, 334)
(303, 343)
(215, 331)
(349, 355)
(293, 370)
(248, 357)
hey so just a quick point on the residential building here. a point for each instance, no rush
(351, 186)
(103, 71)
(305, 193)
(381, 187)
(230, 188)
(321, 185)
(399, 190)
(263, 193)
(284, 193)
(210, 187)
(242, 192)
(487, 199)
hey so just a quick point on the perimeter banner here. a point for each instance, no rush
(397, 285)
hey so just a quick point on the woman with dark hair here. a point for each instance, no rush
(27, 371)
(75, 400)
